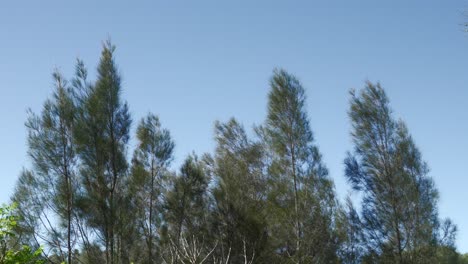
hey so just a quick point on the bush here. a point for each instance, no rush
(10, 255)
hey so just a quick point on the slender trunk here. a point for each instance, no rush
(296, 199)
(293, 167)
(398, 234)
(388, 172)
(68, 187)
(111, 228)
(181, 222)
(150, 235)
(296, 209)
(107, 245)
(113, 142)
(69, 234)
(69, 214)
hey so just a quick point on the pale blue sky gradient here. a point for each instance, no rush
(196, 62)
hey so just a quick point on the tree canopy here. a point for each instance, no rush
(96, 193)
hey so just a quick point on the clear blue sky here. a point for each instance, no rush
(196, 62)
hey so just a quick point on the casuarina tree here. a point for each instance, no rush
(102, 136)
(399, 199)
(301, 194)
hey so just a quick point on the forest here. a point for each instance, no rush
(262, 196)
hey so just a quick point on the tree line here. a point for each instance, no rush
(266, 198)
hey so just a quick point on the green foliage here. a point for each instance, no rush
(399, 207)
(240, 214)
(463, 259)
(8, 254)
(46, 192)
(24, 255)
(186, 213)
(265, 198)
(301, 195)
(7, 222)
(186, 202)
(149, 172)
(102, 134)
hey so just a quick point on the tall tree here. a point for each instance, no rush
(399, 205)
(45, 196)
(302, 193)
(150, 164)
(102, 136)
(186, 206)
(240, 194)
